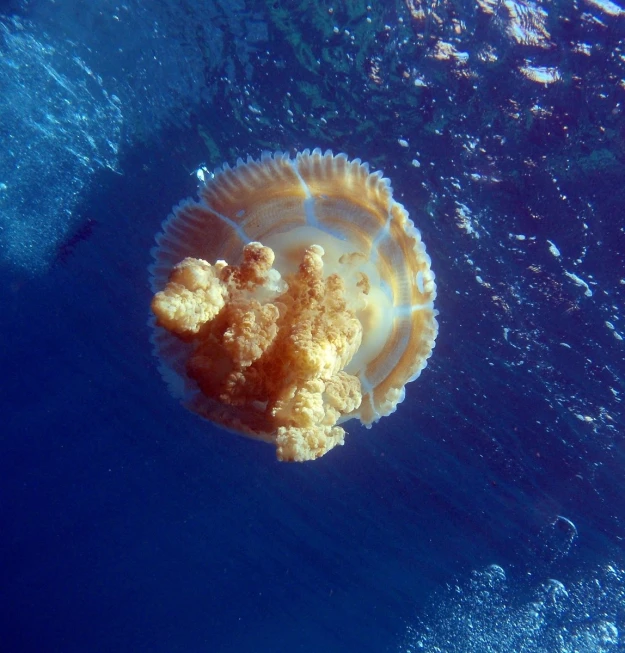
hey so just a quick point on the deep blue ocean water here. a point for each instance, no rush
(487, 513)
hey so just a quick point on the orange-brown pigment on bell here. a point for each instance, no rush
(311, 327)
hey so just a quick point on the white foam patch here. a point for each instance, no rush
(541, 74)
(607, 7)
(579, 282)
(553, 249)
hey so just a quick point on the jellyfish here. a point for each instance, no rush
(294, 295)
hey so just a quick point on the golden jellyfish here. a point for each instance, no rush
(294, 295)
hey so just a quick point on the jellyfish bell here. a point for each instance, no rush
(294, 295)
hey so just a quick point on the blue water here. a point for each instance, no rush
(486, 514)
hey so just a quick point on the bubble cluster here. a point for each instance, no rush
(491, 613)
(59, 126)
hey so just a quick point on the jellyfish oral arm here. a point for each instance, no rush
(277, 344)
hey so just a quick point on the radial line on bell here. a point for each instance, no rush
(309, 202)
(365, 384)
(383, 233)
(309, 210)
(239, 230)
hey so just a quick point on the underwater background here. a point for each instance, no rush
(488, 512)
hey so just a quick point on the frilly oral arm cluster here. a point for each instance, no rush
(275, 348)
